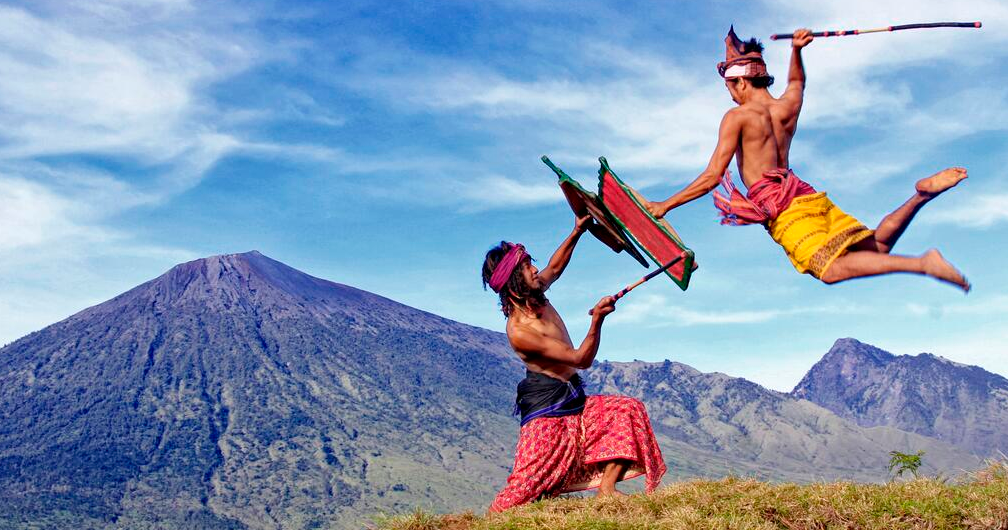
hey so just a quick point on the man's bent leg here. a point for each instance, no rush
(894, 224)
(617, 429)
(546, 451)
(864, 263)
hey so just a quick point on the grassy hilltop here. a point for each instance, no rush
(977, 500)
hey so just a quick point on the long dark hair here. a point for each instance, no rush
(516, 291)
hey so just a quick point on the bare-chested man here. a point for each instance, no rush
(817, 236)
(568, 441)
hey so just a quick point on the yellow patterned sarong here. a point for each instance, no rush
(814, 232)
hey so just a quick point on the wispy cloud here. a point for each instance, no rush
(656, 116)
(90, 83)
(106, 108)
(993, 306)
(497, 191)
(977, 211)
(660, 311)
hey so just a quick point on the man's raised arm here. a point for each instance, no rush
(728, 140)
(552, 271)
(533, 344)
(796, 73)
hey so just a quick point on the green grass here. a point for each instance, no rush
(976, 500)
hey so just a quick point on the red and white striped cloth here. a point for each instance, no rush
(767, 198)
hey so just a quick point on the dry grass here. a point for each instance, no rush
(977, 500)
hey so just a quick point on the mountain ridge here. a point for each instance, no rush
(925, 393)
(237, 392)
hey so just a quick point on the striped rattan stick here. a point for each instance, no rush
(650, 275)
(842, 33)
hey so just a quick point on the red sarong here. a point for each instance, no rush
(767, 197)
(568, 453)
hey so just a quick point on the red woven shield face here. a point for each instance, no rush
(655, 237)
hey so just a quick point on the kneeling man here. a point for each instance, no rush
(568, 441)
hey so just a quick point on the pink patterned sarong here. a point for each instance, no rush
(561, 454)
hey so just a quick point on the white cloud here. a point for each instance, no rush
(659, 311)
(648, 113)
(105, 109)
(66, 91)
(496, 191)
(656, 118)
(983, 211)
(30, 214)
(88, 83)
(994, 306)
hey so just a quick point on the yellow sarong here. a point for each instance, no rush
(814, 232)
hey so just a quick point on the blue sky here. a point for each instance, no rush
(388, 145)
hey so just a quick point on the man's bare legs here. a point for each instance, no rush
(613, 471)
(863, 263)
(871, 257)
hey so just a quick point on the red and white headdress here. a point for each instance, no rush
(738, 63)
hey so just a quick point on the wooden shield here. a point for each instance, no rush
(655, 237)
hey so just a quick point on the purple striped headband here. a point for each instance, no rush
(506, 266)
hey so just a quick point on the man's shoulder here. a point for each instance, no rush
(521, 323)
(748, 114)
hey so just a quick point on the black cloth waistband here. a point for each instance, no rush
(540, 395)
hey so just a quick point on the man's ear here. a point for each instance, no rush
(744, 85)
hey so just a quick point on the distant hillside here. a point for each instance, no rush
(236, 392)
(713, 424)
(964, 405)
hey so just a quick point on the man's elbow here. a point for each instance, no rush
(710, 181)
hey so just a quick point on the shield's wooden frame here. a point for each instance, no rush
(605, 228)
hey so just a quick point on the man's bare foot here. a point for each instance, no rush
(936, 266)
(934, 185)
(610, 493)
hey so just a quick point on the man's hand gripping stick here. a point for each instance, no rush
(650, 275)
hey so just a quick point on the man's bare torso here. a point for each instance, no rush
(767, 127)
(549, 323)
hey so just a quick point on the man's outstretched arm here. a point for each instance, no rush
(532, 344)
(552, 271)
(728, 139)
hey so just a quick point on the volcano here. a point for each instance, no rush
(236, 391)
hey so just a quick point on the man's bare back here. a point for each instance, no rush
(758, 150)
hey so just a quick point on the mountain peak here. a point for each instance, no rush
(851, 349)
(249, 277)
(924, 393)
(205, 393)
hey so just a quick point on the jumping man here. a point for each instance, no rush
(817, 236)
(568, 441)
